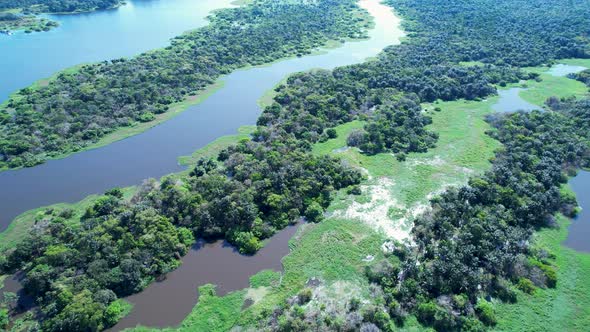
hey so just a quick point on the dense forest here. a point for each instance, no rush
(78, 108)
(58, 6)
(472, 245)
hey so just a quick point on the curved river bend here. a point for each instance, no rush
(154, 153)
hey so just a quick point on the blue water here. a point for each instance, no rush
(154, 153)
(564, 70)
(511, 101)
(138, 26)
(579, 231)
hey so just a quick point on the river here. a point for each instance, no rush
(154, 153)
(97, 36)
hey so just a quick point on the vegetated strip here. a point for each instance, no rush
(76, 109)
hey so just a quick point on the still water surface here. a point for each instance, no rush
(578, 237)
(564, 70)
(168, 302)
(136, 27)
(511, 101)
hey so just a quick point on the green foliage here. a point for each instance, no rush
(62, 6)
(314, 212)
(247, 242)
(4, 318)
(115, 311)
(526, 285)
(485, 312)
(105, 97)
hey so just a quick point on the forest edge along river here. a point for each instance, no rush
(97, 36)
(154, 153)
(579, 230)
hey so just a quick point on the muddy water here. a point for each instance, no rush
(168, 302)
(579, 231)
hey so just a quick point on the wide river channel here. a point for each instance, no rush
(154, 153)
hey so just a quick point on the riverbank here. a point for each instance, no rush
(102, 103)
(334, 251)
(28, 19)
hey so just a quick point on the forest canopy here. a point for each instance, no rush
(79, 107)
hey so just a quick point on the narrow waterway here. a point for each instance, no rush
(578, 237)
(154, 153)
(97, 36)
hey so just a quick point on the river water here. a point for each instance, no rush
(154, 153)
(579, 231)
(136, 27)
(578, 237)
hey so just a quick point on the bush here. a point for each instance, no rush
(247, 243)
(485, 312)
(526, 285)
(314, 212)
(331, 133)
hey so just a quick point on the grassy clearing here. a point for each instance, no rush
(462, 149)
(564, 308)
(576, 62)
(538, 92)
(332, 251)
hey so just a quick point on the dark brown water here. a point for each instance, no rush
(578, 237)
(168, 302)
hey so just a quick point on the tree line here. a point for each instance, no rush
(78, 108)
